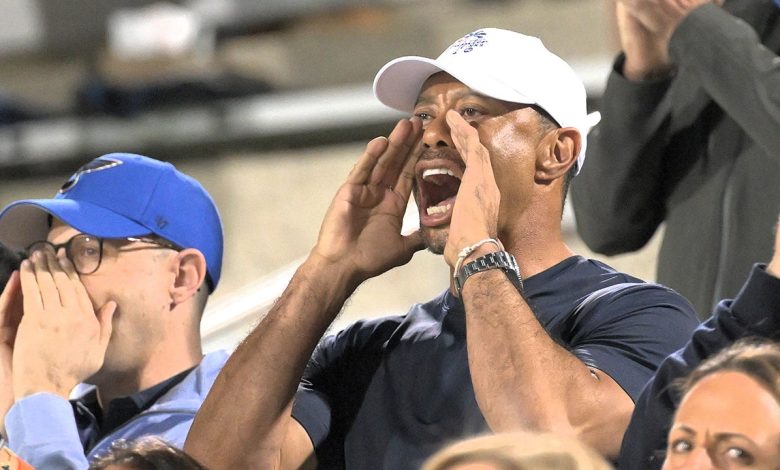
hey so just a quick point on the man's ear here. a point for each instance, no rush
(561, 149)
(190, 275)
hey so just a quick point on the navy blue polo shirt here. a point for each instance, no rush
(386, 393)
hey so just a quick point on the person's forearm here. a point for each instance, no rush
(742, 76)
(524, 380)
(627, 156)
(262, 375)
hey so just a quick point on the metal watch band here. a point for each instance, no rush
(502, 260)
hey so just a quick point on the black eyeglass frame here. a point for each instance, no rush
(160, 243)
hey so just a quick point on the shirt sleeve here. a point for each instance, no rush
(42, 431)
(752, 313)
(618, 196)
(725, 55)
(628, 332)
(340, 369)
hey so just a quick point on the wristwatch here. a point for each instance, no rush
(502, 260)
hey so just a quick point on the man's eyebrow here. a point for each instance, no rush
(467, 93)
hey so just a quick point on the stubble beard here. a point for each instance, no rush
(435, 239)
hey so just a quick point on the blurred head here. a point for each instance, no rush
(517, 451)
(729, 416)
(148, 453)
(527, 104)
(141, 234)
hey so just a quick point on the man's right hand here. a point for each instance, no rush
(10, 316)
(645, 27)
(646, 51)
(361, 232)
(62, 338)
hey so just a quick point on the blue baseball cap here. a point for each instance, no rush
(124, 195)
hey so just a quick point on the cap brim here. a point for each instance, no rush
(399, 82)
(26, 221)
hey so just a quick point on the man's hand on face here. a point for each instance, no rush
(361, 232)
(475, 215)
(61, 339)
(10, 317)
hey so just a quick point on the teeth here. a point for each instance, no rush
(438, 209)
(437, 171)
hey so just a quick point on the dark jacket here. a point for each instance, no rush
(699, 151)
(754, 313)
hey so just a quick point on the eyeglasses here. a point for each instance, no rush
(86, 251)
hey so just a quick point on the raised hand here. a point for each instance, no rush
(10, 316)
(662, 16)
(475, 215)
(647, 52)
(61, 339)
(361, 232)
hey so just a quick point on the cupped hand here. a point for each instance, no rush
(361, 231)
(61, 340)
(475, 214)
(662, 17)
(10, 316)
(646, 51)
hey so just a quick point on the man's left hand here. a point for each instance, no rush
(61, 339)
(475, 214)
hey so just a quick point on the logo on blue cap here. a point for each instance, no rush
(102, 163)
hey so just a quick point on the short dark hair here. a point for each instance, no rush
(758, 359)
(146, 453)
(9, 262)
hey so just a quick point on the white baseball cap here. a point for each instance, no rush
(501, 64)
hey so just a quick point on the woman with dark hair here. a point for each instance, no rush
(729, 416)
(148, 453)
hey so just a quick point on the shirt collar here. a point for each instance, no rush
(122, 409)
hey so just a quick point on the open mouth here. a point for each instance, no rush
(437, 187)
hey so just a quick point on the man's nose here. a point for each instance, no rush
(436, 133)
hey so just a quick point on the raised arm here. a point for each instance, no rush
(618, 197)
(245, 421)
(737, 71)
(522, 378)
(639, 150)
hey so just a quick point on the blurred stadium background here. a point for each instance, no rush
(266, 102)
